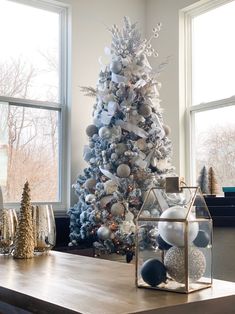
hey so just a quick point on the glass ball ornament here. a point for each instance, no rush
(104, 132)
(117, 209)
(145, 110)
(90, 184)
(103, 233)
(173, 231)
(91, 130)
(153, 272)
(175, 264)
(123, 171)
(202, 239)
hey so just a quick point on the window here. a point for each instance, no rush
(33, 98)
(210, 88)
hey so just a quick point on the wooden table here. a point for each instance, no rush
(66, 283)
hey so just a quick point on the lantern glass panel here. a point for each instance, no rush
(174, 241)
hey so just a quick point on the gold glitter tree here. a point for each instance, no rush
(24, 245)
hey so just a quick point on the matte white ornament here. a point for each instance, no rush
(173, 232)
(123, 171)
(103, 233)
(90, 198)
(117, 209)
(104, 132)
(175, 263)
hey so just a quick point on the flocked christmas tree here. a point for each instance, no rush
(129, 149)
(203, 180)
(24, 244)
(213, 186)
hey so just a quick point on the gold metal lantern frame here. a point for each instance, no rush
(174, 240)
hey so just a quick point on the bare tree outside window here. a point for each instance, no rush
(29, 134)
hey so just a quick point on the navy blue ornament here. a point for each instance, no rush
(163, 245)
(202, 239)
(153, 272)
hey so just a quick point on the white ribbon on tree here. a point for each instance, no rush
(109, 175)
(132, 128)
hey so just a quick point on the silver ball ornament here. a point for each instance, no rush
(90, 184)
(172, 232)
(123, 171)
(117, 209)
(114, 156)
(145, 110)
(175, 264)
(103, 233)
(91, 130)
(104, 132)
(121, 148)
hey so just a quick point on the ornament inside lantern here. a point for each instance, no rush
(174, 247)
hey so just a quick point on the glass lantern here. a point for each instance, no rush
(174, 240)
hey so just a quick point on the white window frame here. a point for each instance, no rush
(60, 207)
(186, 16)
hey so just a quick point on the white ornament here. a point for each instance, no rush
(161, 164)
(104, 132)
(105, 117)
(173, 232)
(110, 187)
(123, 171)
(90, 198)
(145, 214)
(128, 225)
(103, 233)
(117, 209)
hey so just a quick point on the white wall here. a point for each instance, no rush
(90, 19)
(167, 12)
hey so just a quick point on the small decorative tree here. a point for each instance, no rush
(24, 245)
(213, 186)
(203, 180)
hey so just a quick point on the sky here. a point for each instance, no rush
(27, 32)
(213, 47)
